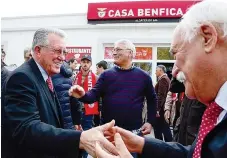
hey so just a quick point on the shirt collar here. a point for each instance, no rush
(123, 68)
(162, 76)
(221, 98)
(43, 72)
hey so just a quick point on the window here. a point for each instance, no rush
(163, 53)
(144, 66)
(142, 53)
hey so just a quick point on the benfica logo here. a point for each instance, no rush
(101, 12)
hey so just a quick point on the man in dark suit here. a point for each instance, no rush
(33, 116)
(199, 47)
(161, 88)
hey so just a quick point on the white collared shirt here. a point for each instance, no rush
(43, 72)
(221, 100)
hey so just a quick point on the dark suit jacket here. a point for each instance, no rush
(161, 89)
(33, 117)
(214, 146)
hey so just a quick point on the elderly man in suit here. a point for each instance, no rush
(161, 88)
(200, 49)
(33, 116)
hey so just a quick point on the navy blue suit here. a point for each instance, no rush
(214, 146)
(33, 117)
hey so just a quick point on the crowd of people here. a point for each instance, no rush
(48, 111)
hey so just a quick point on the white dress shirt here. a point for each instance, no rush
(43, 72)
(221, 100)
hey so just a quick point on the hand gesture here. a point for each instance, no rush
(76, 91)
(167, 116)
(146, 128)
(89, 138)
(120, 146)
(133, 142)
(78, 127)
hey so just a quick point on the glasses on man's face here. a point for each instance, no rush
(59, 52)
(119, 49)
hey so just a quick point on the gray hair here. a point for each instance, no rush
(162, 67)
(213, 11)
(128, 44)
(41, 36)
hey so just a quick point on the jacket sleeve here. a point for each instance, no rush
(76, 110)
(94, 94)
(25, 126)
(163, 89)
(157, 148)
(176, 86)
(151, 102)
(169, 102)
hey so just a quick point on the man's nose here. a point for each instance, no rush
(175, 70)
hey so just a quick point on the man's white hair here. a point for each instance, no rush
(41, 36)
(128, 45)
(213, 11)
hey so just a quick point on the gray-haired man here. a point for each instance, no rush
(33, 114)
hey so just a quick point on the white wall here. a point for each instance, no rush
(17, 34)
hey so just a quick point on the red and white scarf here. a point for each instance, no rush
(89, 82)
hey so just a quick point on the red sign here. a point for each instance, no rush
(137, 9)
(142, 53)
(77, 52)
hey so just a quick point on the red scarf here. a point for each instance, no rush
(89, 82)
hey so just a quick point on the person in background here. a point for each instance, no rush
(4, 74)
(33, 116)
(100, 68)
(71, 107)
(191, 112)
(161, 128)
(3, 55)
(199, 46)
(73, 65)
(27, 54)
(87, 79)
(123, 89)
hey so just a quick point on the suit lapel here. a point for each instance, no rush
(46, 90)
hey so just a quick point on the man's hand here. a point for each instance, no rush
(167, 115)
(78, 127)
(157, 114)
(76, 91)
(120, 146)
(133, 142)
(89, 138)
(146, 128)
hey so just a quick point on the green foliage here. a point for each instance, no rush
(163, 54)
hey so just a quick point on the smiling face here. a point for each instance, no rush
(51, 57)
(199, 60)
(121, 54)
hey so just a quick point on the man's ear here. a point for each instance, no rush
(37, 51)
(209, 34)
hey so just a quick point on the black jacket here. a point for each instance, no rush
(191, 113)
(214, 146)
(33, 117)
(71, 107)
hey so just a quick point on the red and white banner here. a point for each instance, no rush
(137, 9)
(142, 53)
(77, 52)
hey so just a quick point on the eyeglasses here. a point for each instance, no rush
(119, 49)
(57, 51)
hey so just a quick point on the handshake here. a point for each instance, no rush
(111, 141)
